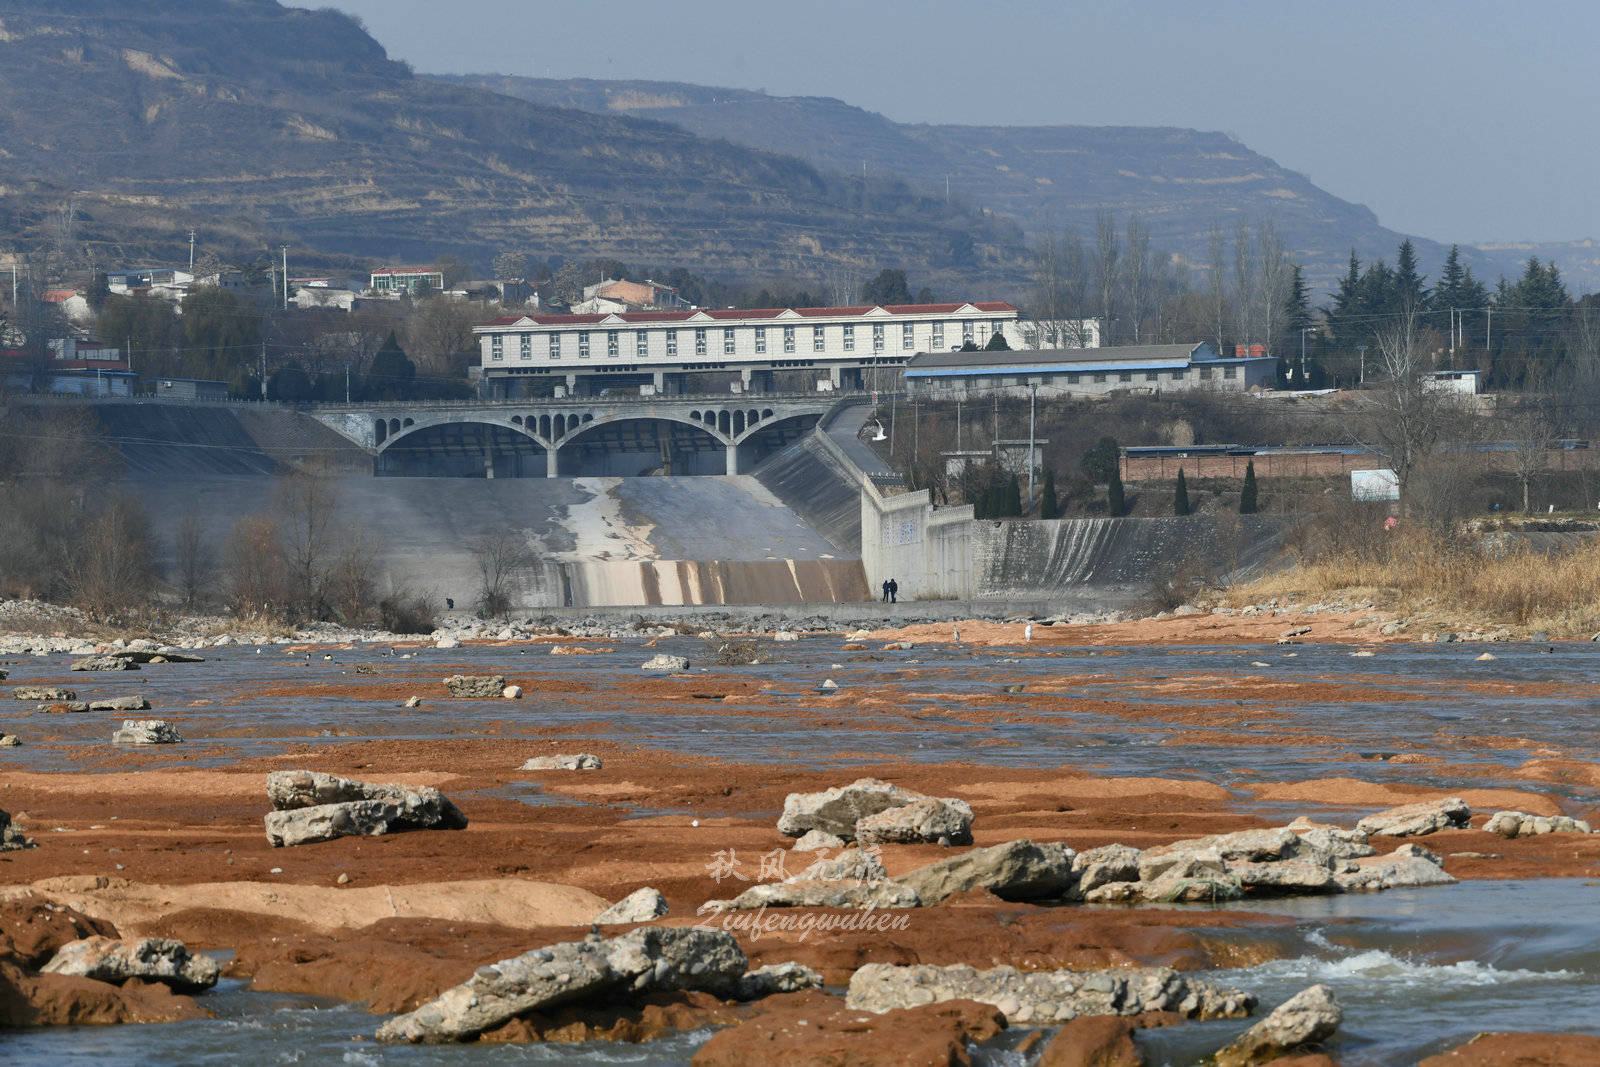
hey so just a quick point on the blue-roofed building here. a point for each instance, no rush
(1147, 369)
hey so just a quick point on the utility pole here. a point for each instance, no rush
(1303, 331)
(286, 277)
(1363, 350)
(191, 251)
(263, 370)
(958, 426)
(347, 381)
(1488, 328)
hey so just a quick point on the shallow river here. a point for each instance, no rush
(1417, 971)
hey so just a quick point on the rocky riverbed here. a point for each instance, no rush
(1083, 839)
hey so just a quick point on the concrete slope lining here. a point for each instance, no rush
(816, 487)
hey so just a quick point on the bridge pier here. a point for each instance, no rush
(733, 460)
(552, 469)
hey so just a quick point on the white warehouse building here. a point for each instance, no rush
(832, 348)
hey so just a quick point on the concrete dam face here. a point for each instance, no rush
(601, 540)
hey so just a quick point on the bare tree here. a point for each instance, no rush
(1244, 284)
(1407, 417)
(1106, 255)
(108, 569)
(1136, 275)
(1061, 282)
(256, 567)
(501, 558)
(1217, 280)
(195, 559)
(1272, 290)
(308, 509)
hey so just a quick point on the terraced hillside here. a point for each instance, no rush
(256, 121)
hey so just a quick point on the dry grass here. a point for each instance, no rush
(1460, 583)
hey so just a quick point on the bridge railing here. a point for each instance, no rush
(734, 400)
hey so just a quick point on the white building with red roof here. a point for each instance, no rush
(834, 347)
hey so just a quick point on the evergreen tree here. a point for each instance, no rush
(1102, 461)
(997, 343)
(1410, 287)
(1297, 302)
(1049, 506)
(1115, 504)
(1014, 497)
(889, 287)
(1247, 496)
(1180, 496)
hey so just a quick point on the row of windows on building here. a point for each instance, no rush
(1099, 378)
(615, 340)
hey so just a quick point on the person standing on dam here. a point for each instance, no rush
(894, 590)
(886, 590)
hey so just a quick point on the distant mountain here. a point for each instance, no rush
(1179, 181)
(255, 123)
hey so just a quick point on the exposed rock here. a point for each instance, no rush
(1328, 845)
(1523, 824)
(412, 702)
(1247, 846)
(1310, 1016)
(1016, 870)
(1041, 998)
(64, 707)
(107, 959)
(1200, 878)
(153, 654)
(1287, 876)
(120, 704)
(816, 841)
(1520, 1050)
(11, 836)
(817, 895)
(511, 692)
(778, 978)
(663, 662)
(640, 906)
(786, 636)
(146, 732)
(944, 822)
(1414, 820)
(1093, 1041)
(10, 741)
(104, 663)
(850, 865)
(837, 810)
(1106, 864)
(581, 761)
(639, 961)
(312, 806)
(476, 686)
(1113, 893)
(46, 693)
(1408, 867)
(447, 642)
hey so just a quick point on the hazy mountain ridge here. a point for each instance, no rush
(252, 120)
(1178, 180)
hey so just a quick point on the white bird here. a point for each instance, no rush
(958, 635)
(1027, 632)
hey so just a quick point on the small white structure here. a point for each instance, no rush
(1147, 369)
(1381, 484)
(1468, 382)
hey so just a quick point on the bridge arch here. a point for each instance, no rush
(627, 444)
(462, 448)
(770, 435)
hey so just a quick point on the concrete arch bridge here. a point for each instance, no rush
(575, 438)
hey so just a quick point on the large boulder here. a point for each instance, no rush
(1016, 870)
(1108, 863)
(1247, 846)
(1044, 998)
(1524, 824)
(1285, 877)
(1414, 820)
(665, 663)
(104, 663)
(943, 822)
(146, 732)
(640, 961)
(312, 806)
(640, 906)
(1407, 867)
(816, 841)
(837, 810)
(1198, 878)
(476, 686)
(108, 959)
(46, 693)
(850, 865)
(778, 978)
(1310, 1016)
(120, 704)
(581, 761)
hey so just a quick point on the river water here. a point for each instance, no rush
(1417, 971)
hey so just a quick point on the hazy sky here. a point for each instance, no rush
(1453, 119)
